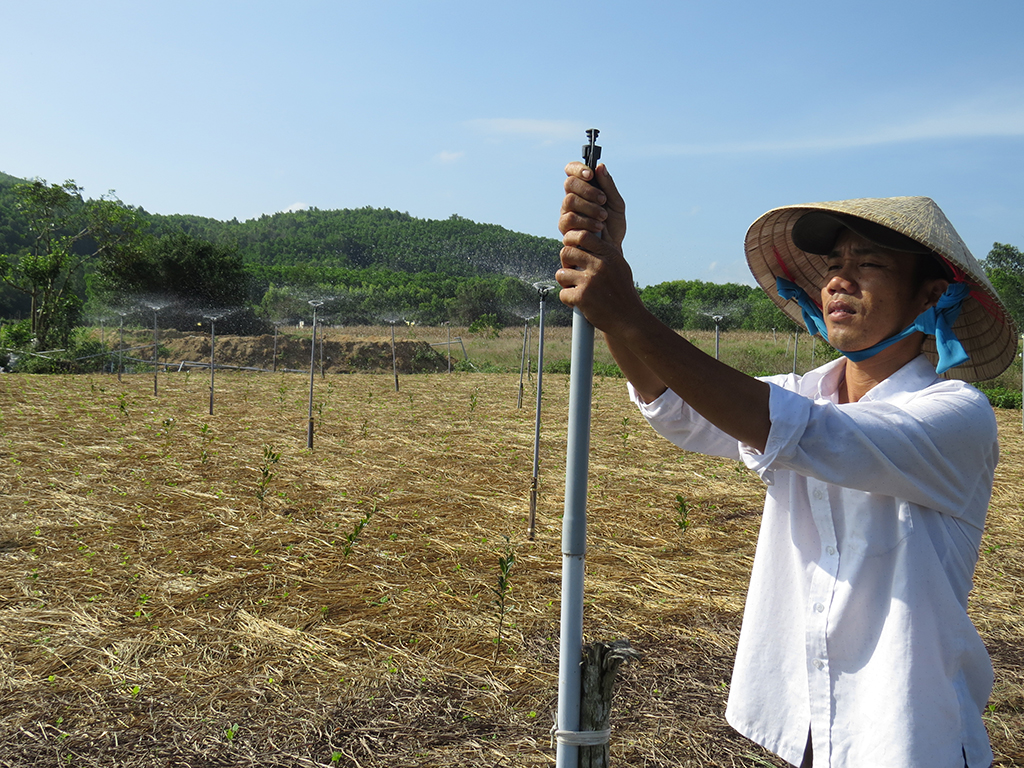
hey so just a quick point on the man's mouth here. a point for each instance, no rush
(840, 309)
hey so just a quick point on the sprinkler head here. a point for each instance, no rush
(544, 287)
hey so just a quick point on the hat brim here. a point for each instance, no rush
(984, 327)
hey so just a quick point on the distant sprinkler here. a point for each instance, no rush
(156, 306)
(448, 325)
(522, 361)
(394, 356)
(213, 345)
(543, 287)
(315, 304)
(120, 347)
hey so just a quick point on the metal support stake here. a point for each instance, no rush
(522, 363)
(120, 350)
(213, 345)
(312, 367)
(156, 348)
(394, 358)
(543, 289)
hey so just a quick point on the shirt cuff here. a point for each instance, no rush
(789, 413)
(668, 402)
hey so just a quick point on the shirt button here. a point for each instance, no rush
(818, 494)
(830, 550)
(818, 607)
(818, 664)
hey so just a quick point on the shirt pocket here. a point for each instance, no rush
(874, 528)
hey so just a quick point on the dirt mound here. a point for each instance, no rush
(340, 355)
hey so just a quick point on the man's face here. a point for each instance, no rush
(870, 293)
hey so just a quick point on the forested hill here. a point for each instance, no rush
(369, 237)
(352, 239)
(381, 261)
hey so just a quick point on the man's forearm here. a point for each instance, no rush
(646, 383)
(654, 358)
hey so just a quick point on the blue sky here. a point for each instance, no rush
(711, 113)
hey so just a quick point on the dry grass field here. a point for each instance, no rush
(181, 589)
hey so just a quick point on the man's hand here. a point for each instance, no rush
(594, 275)
(593, 207)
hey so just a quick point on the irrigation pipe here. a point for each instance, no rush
(574, 522)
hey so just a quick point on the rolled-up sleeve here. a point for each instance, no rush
(910, 449)
(905, 444)
(678, 423)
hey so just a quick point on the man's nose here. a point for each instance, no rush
(840, 281)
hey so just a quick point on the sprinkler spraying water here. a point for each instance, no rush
(120, 345)
(315, 304)
(156, 305)
(718, 315)
(392, 319)
(543, 289)
(394, 357)
(527, 314)
(213, 318)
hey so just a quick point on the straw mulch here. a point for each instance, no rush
(158, 612)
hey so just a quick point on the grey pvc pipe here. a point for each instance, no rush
(574, 535)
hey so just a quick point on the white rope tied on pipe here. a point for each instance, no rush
(580, 738)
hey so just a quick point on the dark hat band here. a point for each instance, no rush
(816, 232)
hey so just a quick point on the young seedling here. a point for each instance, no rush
(503, 590)
(682, 514)
(270, 458)
(206, 437)
(353, 537)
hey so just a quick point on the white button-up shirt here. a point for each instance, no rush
(856, 616)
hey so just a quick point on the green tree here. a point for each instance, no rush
(65, 234)
(1004, 266)
(180, 266)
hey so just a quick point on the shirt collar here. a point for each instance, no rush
(912, 377)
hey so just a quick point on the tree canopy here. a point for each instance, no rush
(1004, 266)
(62, 236)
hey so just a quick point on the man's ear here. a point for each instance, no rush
(934, 290)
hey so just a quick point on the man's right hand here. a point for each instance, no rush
(593, 207)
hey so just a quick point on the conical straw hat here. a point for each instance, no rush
(984, 327)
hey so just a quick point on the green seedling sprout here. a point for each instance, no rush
(682, 514)
(270, 458)
(353, 537)
(502, 590)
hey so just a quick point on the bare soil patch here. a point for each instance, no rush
(173, 595)
(338, 353)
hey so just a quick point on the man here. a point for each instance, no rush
(856, 648)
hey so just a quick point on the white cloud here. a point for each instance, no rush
(449, 157)
(986, 116)
(295, 207)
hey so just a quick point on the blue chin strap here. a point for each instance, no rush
(935, 321)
